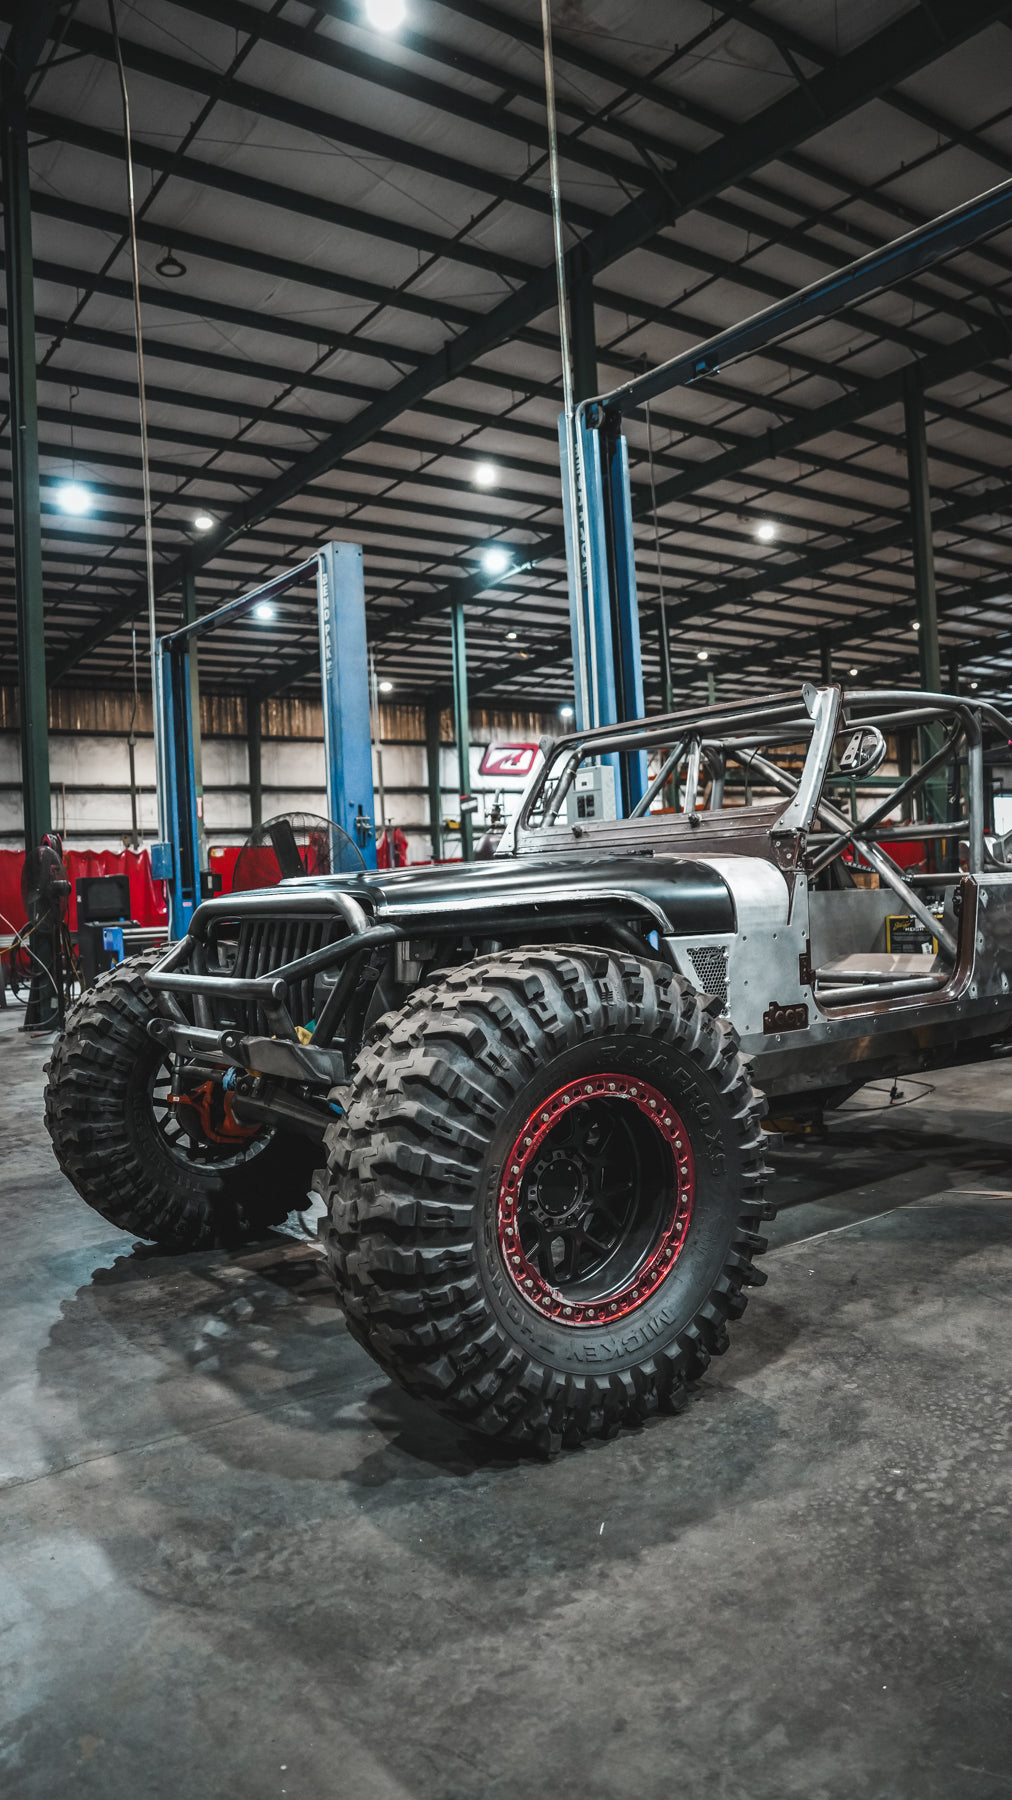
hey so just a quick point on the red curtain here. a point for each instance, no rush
(147, 897)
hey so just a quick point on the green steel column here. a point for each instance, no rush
(825, 660)
(433, 740)
(921, 535)
(25, 469)
(584, 337)
(923, 551)
(189, 610)
(667, 684)
(253, 748)
(462, 724)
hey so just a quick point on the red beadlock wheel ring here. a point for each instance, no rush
(552, 1301)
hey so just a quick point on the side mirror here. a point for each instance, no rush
(865, 752)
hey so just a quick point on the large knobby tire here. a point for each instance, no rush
(544, 1195)
(111, 1140)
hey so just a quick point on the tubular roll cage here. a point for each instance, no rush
(823, 714)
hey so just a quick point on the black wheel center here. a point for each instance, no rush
(560, 1184)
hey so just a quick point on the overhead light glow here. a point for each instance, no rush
(386, 687)
(512, 636)
(485, 475)
(973, 686)
(73, 497)
(853, 671)
(495, 560)
(703, 655)
(386, 15)
(202, 521)
(565, 712)
(263, 610)
(766, 531)
(916, 626)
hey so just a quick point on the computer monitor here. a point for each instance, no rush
(102, 899)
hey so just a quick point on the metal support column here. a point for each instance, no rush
(584, 336)
(254, 746)
(825, 659)
(922, 542)
(923, 554)
(433, 743)
(664, 642)
(24, 437)
(189, 614)
(462, 728)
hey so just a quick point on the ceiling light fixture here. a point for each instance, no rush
(853, 671)
(512, 636)
(170, 266)
(264, 610)
(386, 687)
(766, 531)
(73, 497)
(565, 712)
(203, 521)
(916, 626)
(973, 687)
(485, 475)
(495, 560)
(385, 15)
(703, 655)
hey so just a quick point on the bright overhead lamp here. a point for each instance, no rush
(386, 687)
(766, 531)
(916, 626)
(385, 15)
(73, 497)
(511, 637)
(973, 687)
(495, 560)
(853, 671)
(565, 712)
(203, 521)
(703, 655)
(264, 609)
(486, 475)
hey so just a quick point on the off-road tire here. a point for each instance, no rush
(413, 1230)
(99, 1116)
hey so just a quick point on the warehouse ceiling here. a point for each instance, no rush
(350, 325)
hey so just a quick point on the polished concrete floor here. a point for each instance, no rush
(234, 1561)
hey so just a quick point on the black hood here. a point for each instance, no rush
(680, 896)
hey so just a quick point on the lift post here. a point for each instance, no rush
(340, 590)
(599, 522)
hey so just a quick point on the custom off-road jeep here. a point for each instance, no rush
(540, 1078)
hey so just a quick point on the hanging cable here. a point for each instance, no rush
(132, 745)
(149, 546)
(586, 703)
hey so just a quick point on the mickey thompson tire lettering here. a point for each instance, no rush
(440, 1091)
(99, 1116)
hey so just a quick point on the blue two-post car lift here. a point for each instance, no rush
(597, 497)
(344, 681)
